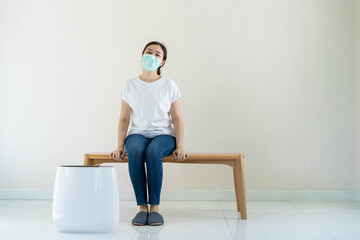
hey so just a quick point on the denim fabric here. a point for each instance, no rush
(150, 150)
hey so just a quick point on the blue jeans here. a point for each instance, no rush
(152, 150)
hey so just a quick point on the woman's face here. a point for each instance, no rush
(156, 51)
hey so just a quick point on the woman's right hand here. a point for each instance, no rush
(118, 154)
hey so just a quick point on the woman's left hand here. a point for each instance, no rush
(180, 154)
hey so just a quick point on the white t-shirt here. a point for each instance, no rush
(150, 103)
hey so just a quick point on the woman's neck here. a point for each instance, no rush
(149, 76)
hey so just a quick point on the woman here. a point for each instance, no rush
(150, 99)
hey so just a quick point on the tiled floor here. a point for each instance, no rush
(32, 219)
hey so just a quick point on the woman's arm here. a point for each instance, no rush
(179, 153)
(176, 117)
(123, 123)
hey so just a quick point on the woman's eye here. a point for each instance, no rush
(158, 55)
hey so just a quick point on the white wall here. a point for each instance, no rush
(357, 90)
(275, 80)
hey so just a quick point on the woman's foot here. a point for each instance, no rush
(140, 218)
(155, 219)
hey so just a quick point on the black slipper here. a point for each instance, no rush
(155, 219)
(140, 218)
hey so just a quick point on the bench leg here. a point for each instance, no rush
(87, 161)
(239, 183)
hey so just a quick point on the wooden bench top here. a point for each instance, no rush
(105, 155)
(209, 158)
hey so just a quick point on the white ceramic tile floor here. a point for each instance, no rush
(32, 220)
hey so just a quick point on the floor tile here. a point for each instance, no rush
(340, 219)
(271, 220)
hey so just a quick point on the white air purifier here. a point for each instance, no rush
(86, 199)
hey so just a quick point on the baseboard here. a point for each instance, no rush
(251, 195)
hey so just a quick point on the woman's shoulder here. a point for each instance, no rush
(170, 80)
(130, 81)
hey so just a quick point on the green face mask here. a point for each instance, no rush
(150, 62)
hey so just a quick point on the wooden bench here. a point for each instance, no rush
(234, 160)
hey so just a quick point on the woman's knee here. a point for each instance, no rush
(159, 149)
(135, 145)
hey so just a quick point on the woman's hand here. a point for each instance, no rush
(118, 154)
(180, 154)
